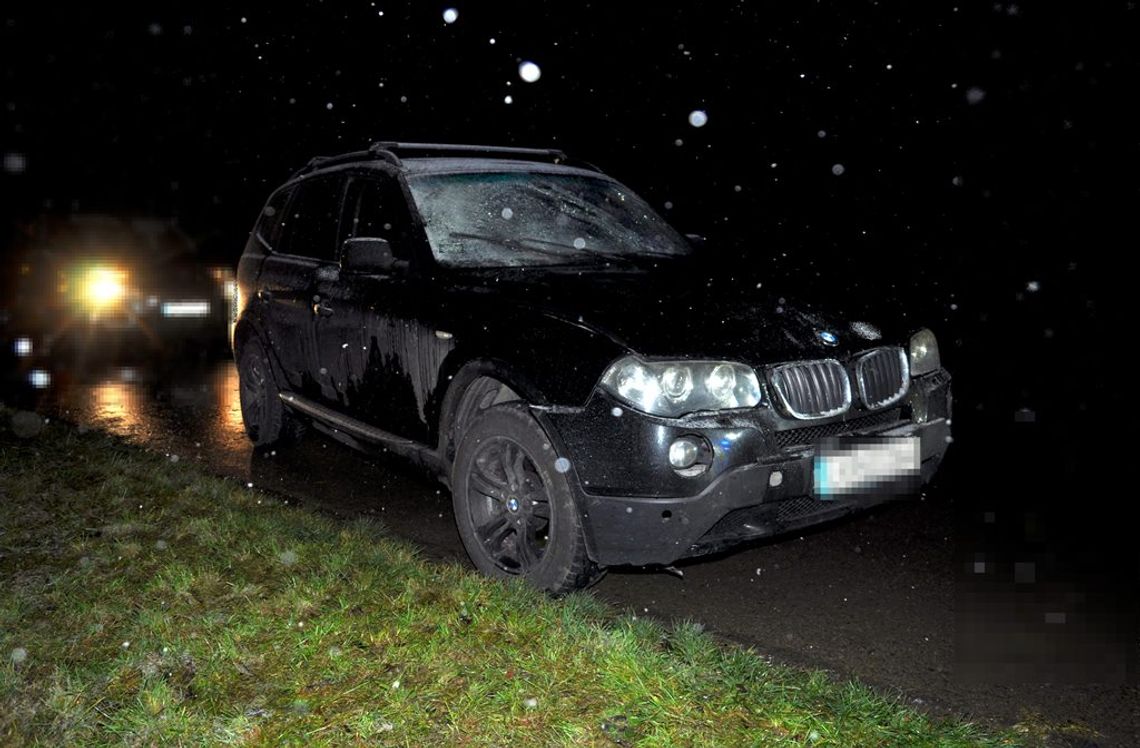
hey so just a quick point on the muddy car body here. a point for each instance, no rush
(533, 332)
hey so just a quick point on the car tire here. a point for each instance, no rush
(514, 505)
(267, 420)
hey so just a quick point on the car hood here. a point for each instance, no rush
(666, 316)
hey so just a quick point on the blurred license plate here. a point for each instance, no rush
(887, 465)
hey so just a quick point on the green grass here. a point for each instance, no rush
(146, 602)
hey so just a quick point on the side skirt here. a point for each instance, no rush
(360, 431)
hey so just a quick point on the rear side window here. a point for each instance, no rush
(310, 226)
(269, 224)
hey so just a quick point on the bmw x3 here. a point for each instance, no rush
(535, 334)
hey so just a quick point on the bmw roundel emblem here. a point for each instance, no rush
(827, 337)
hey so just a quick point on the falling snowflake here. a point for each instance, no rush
(507, 214)
(562, 465)
(838, 169)
(19, 654)
(698, 118)
(529, 72)
(451, 15)
(975, 95)
(579, 243)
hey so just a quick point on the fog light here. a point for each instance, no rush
(684, 452)
(23, 346)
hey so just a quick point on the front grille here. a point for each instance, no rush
(798, 507)
(883, 375)
(812, 434)
(812, 389)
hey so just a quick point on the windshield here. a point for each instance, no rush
(517, 219)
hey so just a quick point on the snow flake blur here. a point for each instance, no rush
(451, 15)
(15, 163)
(698, 118)
(529, 72)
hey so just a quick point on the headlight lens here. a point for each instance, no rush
(673, 388)
(104, 286)
(924, 356)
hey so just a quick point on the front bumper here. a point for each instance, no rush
(638, 510)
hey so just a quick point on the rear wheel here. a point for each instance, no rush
(514, 509)
(267, 420)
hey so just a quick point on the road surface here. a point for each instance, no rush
(900, 598)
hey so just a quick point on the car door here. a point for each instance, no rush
(379, 347)
(305, 252)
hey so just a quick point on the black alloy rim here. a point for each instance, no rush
(509, 505)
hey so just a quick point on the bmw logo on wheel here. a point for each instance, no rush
(828, 337)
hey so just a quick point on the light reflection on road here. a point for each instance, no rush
(193, 413)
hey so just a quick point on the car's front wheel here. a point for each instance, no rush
(514, 505)
(266, 419)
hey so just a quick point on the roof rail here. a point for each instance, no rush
(444, 149)
(319, 162)
(390, 151)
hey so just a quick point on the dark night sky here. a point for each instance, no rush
(984, 147)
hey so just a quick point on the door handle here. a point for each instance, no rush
(322, 310)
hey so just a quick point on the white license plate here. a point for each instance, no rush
(867, 466)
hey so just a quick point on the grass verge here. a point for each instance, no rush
(146, 602)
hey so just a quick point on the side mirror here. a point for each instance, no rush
(368, 254)
(697, 240)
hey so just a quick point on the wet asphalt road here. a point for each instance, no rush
(894, 597)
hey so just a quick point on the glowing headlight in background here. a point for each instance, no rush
(104, 286)
(39, 378)
(22, 346)
(195, 308)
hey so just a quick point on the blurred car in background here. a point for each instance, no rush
(93, 289)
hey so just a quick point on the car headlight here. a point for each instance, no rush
(674, 388)
(924, 356)
(103, 286)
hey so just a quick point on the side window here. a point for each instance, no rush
(375, 207)
(270, 223)
(310, 226)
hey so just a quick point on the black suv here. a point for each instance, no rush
(536, 334)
